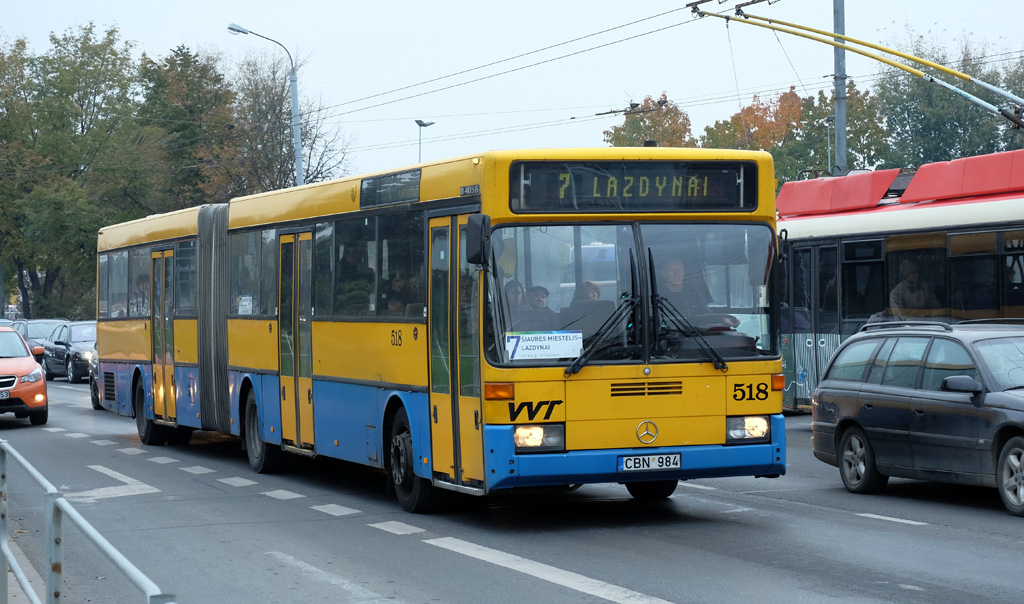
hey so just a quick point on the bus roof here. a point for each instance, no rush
(968, 177)
(155, 227)
(446, 179)
(980, 190)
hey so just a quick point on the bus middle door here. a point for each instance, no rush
(295, 330)
(456, 415)
(162, 319)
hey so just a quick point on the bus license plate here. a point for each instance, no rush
(641, 463)
(5, 394)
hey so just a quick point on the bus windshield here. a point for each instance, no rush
(630, 293)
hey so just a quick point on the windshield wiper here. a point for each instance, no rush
(681, 323)
(605, 330)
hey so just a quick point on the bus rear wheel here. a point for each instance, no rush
(264, 458)
(415, 494)
(654, 490)
(150, 433)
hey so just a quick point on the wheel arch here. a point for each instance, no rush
(1002, 436)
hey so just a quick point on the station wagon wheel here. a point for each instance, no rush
(1010, 475)
(653, 490)
(70, 369)
(415, 494)
(857, 463)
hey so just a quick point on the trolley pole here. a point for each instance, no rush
(839, 19)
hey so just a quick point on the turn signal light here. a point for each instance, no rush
(499, 391)
(778, 381)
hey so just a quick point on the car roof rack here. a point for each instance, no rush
(994, 321)
(902, 324)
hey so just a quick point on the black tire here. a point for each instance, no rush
(94, 393)
(857, 463)
(69, 369)
(38, 418)
(46, 372)
(1010, 475)
(150, 433)
(653, 490)
(264, 458)
(416, 494)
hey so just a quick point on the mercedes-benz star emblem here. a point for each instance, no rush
(647, 432)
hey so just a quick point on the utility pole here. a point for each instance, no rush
(839, 21)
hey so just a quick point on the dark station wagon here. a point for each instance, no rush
(927, 401)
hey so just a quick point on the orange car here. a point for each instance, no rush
(22, 385)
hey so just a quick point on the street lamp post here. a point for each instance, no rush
(422, 125)
(293, 78)
(828, 139)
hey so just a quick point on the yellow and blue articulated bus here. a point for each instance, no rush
(511, 319)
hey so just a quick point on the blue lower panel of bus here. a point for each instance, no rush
(594, 466)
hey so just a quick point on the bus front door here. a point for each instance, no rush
(456, 414)
(295, 330)
(162, 319)
(815, 310)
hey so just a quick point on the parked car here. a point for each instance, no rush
(927, 401)
(68, 350)
(22, 387)
(36, 331)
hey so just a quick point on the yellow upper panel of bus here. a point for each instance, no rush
(157, 227)
(486, 173)
(452, 178)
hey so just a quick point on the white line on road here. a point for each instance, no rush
(131, 487)
(103, 443)
(162, 460)
(593, 587)
(76, 435)
(283, 495)
(132, 451)
(690, 485)
(891, 519)
(198, 470)
(334, 509)
(398, 528)
(237, 481)
(358, 594)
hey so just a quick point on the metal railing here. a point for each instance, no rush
(57, 508)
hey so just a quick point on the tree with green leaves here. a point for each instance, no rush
(658, 120)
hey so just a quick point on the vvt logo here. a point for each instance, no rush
(532, 409)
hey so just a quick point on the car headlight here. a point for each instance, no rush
(745, 430)
(85, 355)
(539, 438)
(34, 376)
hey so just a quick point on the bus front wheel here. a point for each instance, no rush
(652, 491)
(264, 458)
(415, 494)
(149, 432)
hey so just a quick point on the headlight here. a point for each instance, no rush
(85, 355)
(539, 438)
(34, 376)
(747, 429)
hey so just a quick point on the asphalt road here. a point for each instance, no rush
(197, 521)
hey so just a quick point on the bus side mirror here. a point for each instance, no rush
(478, 239)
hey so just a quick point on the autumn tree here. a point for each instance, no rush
(658, 120)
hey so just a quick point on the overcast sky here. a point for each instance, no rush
(532, 73)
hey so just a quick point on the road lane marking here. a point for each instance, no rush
(198, 470)
(103, 443)
(283, 494)
(76, 435)
(702, 487)
(130, 487)
(163, 460)
(891, 519)
(334, 509)
(237, 481)
(132, 451)
(398, 528)
(54, 429)
(571, 580)
(357, 593)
